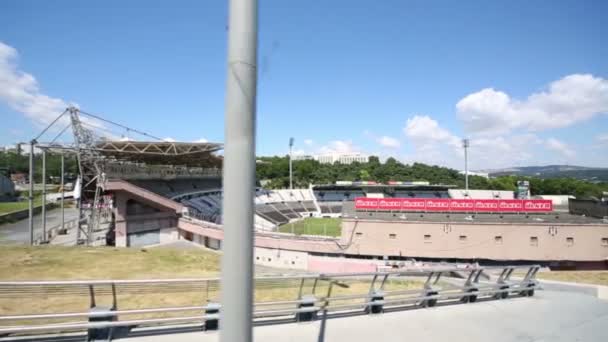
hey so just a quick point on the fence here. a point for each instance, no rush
(53, 232)
(35, 307)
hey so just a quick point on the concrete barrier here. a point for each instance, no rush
(598, 291)
(23, 214)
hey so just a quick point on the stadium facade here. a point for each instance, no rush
(155, 204)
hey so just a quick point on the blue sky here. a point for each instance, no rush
(525, 80)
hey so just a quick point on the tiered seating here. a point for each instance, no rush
(273, 207)
(309, 205)
(285, 210)
(270, 213)
(421, 194)
(177, 187)
(480, 194)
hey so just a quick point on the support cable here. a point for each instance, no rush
(119, 125)
(49, 126)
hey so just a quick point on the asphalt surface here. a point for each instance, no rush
(548, 316)
(18, 232)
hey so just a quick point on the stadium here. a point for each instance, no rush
(185, 240)
(151, 193)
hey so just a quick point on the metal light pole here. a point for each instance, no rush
(239, 173)
(31, 197)
(290, 166)
(465, 145)
(43, 195)
(62, 192)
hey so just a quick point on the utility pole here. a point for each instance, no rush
(465, 145)
(239, 172)
(31, 197)
(290, 166)
(43, 196)
(63, 193)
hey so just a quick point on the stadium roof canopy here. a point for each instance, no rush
(153, 152)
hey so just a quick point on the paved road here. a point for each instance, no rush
(18, 232)
(549, 316)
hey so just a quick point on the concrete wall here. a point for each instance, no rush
(476, 241)
(168, 235)
(281, 258)
(168, 216)
(340, 265)
(444, 240)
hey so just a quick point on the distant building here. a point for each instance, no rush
(330, 158)
(19, 178)
(302, 157)
(7, 188)
(480, 174)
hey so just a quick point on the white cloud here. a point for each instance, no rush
(339, 146)
(388, 142)
(425, 131)
(560, 147)
(125, 139)
(201, 140)
(572, 99)
(21, 91)
(169, 139)
(308, 142)
(298, 152)
(602, 138)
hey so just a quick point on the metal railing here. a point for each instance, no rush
(77, 305)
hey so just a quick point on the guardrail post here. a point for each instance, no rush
(376, 296)
(502, 284)
(211, 309)
(101, 314)
(429, 291)
(529, 281)
(307, 302)
(470, 286)
(376, 304)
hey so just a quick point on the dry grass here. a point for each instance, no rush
(72, 263)
(586, 277)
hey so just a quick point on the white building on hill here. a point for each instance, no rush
(330, 158)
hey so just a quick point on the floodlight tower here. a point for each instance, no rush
(290, 166)
(465, 145)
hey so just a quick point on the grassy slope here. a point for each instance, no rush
(314, 226)
(62, 263)
(71, 263)
(7, 207)
(587, 277)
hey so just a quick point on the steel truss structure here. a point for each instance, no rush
(96, 153)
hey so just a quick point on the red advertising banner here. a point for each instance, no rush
(453, 205)
(486, 205)
(538, 205)
(513, 206)
(389, 204)
(366, 203)
(437, 204)
(411, 204)
(462, 205)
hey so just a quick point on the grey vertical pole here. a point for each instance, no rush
(290, 165)
(62, 192)
(43, 195)
(31, 198)
(465, 144)
(239, 173)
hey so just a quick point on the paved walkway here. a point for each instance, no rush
(18, 232)
(549, 316)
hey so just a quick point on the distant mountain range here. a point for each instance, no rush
(592, 174)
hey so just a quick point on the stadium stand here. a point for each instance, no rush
(480, 194)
